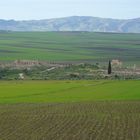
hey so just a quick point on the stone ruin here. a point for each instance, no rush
(26, 63)
(116, 63)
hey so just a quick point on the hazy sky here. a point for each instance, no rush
(43, 9)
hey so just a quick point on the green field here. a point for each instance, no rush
(116, 120)
(70, 46)
(70, 110)
(68, 91)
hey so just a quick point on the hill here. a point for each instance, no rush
(74, 23)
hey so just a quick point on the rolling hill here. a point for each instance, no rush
(74, 23)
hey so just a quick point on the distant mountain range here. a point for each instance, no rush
(74, 23)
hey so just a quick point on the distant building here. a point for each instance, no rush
(116, 63)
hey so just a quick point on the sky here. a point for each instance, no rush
(45, 9)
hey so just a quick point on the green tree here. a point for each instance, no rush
(109, 68)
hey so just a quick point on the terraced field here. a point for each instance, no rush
(112, 120)
(70, 46)
(70, 110)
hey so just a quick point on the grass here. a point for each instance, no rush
(68, 91)
(70, 46)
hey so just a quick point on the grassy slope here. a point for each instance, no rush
(63, 46)
(68, 91)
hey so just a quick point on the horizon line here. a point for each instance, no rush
(68, 17)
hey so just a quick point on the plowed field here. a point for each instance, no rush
(112, 120)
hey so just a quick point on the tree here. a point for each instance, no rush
(109, 68)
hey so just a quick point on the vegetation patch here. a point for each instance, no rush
(68, 91)
(70, 46)
(104, 120)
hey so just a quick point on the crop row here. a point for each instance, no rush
(113, 120)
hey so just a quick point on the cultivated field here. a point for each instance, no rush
(70, 46)
(70, 110)
(112, 120)
(68, 91)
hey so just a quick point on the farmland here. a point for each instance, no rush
(70, 46)
(68, 91)
(116, 120)
(70, 110)
(67, 94)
